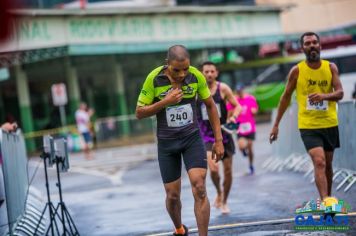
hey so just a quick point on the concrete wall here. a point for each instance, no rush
(314, 15)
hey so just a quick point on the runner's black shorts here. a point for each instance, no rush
(171, 151)
(250, 136)
(327, 138)
(229, 147)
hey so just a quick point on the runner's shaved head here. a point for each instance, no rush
(177, 53)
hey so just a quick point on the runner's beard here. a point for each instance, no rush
(313, 57)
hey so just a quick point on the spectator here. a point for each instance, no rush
(82, 117)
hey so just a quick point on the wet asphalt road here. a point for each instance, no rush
(120, 193)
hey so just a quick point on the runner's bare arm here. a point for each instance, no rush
(173, 97)
(254, 110)
(284, 101)
(337, 93)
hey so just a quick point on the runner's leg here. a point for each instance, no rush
(215, 178)
(250, 155)
(227, 163)
(173, 203)
(318, 157)
(197, 178)
(329, 170)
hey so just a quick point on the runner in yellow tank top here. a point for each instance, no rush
(318, 89)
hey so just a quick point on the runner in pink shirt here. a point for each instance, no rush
(247, 128)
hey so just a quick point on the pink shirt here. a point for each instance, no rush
(246, 118)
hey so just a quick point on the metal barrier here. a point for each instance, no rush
(21, 212)
(14, 168)
(288, 152)
(3, 209)
(345, 157)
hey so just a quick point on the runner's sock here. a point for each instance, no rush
(180, 230)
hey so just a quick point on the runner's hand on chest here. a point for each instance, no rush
(174, 96)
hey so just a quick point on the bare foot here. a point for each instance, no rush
(225, 209)
(218, 201)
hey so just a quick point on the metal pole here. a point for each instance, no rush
(45, 156)
(62, 113)
(58, 159)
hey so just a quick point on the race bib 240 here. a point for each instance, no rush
(179, 116)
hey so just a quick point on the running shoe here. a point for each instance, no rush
(186, 232)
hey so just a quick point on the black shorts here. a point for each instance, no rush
(229, 147)
(171, 151)
(250, 136)
(327, 138)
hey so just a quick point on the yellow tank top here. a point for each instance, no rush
(311, 115)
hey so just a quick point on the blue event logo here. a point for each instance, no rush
(327, 209)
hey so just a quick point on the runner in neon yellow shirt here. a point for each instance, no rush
(170, 92)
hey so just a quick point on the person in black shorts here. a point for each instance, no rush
(169, 92)
(318, 88)
(221, 93)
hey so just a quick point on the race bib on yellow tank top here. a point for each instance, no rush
(318, 106)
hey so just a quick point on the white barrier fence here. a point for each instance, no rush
(19, 212)
(288, 152)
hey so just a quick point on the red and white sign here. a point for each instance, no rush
(59, 94)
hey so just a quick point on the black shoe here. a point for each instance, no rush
(186, 232)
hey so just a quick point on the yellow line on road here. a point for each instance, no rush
(245, 224)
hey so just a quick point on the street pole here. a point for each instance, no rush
(62, 113)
